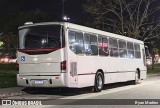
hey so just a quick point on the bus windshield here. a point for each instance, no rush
(40, 37)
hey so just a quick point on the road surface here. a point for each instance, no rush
(147, 92)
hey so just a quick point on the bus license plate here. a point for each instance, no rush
(38, 82)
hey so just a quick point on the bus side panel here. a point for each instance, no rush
(86, 80)
(143, 70)
(119, 77)
(88, 66)
(143, 74)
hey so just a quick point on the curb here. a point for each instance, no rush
(153, 74)
(5, 95)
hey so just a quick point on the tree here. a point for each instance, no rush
(9, 45)
(133, 18)
(10, 28)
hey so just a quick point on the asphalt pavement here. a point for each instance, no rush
(148, 89)
(20, 91)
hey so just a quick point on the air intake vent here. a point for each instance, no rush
(73, 68)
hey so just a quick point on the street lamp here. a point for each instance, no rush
(65, 18)
(62, 8)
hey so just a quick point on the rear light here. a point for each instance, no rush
(23, 78)
(63, 65)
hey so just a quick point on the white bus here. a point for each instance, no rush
(62, 54)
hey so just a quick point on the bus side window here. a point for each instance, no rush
(144, 57)
(103, 46)
(137, 50)
(87, 46)
(76, 42)
(90, 44)
(100, 45)
(93, 43)
(72, 41)
(79, 43)
(122, 49)
(113, 47)
(130, 50)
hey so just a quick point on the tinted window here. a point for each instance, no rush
(113, 47)
(137, 54)
(137, 47)
(72, 37)
(37, 37)
(122, 49)
(130, 50)
(103, 46)
(130, 46)
(144, 57)
(76, 42)
(87, 46)
(130, 54)
(93, 42)
(137, 51)
(90, 44)
(113, 43)
(122, 44)
(72, 40)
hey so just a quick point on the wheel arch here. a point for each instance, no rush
(139, 75)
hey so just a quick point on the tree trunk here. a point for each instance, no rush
(153, 56)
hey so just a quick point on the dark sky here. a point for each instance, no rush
(53, 8)
(72, 8)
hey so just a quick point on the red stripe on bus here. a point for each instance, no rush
(36, 50)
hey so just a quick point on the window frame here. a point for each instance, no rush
(120, 48)
(130, 49)
(110, 47)
(137, 51)
(76, 32)
(102, 37)
(90, 45)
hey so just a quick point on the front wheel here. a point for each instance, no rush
(98, 82)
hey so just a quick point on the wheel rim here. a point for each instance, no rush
(99, 82)
(136, 77)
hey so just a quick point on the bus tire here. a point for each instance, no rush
(137, 77)
(98, 85)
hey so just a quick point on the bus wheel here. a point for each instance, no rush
(137, 77)
(98, 86)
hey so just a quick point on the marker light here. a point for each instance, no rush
(27, 23)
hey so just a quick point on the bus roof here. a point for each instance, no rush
(85, 29)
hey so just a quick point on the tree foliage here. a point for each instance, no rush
(133, 18)
(9, 29)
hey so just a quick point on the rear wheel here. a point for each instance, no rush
(137, 77)
(98, 86)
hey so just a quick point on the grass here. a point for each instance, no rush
(156, 69)
(8, 75)
(8, 67)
